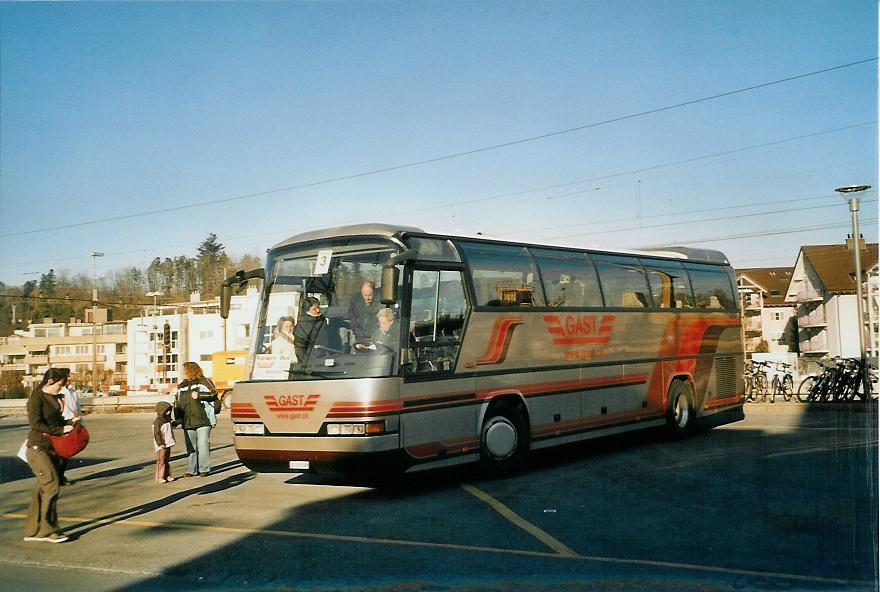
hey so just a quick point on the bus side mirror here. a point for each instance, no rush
(225, 298)
(240, 277)
(390, 276)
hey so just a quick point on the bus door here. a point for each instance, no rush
(438, 415)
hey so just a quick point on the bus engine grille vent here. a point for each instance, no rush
(725, 377)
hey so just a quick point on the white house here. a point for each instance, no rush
(824, 290)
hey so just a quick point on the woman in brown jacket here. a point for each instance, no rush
(44, 418)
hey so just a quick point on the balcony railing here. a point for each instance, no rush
(817, 344)
(752, 324)
(814, 319)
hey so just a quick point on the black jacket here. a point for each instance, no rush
(189, 412)
(44, 417)
(308, 332)
(362, 317)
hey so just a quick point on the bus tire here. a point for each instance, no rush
(504, 439)
(680, 412)
(226, 399)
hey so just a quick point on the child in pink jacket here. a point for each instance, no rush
(163, 440)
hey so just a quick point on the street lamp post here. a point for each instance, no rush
(94, 255)
(155, 348)
(850, 194)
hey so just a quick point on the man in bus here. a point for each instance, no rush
(309, 330)
(362, 312)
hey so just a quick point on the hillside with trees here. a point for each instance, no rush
(62, 296)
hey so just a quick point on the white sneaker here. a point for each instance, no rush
(55, 537)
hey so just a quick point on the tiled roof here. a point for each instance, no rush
(834, 263)
(773, 279)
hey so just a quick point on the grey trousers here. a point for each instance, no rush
(42, 515)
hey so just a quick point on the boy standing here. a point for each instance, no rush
(163, 440)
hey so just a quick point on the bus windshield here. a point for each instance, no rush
(320, 315)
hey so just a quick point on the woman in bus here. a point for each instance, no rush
(282, 345)
(44, 418)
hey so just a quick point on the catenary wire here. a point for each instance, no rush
(446, 156)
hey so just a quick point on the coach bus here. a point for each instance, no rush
(488, 348)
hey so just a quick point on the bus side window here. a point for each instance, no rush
(712, 287)
(503, 275)
(569, 278)
(669, 282)
(624, 281)
(437, 315)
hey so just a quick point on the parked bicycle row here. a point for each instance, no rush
(839, 382)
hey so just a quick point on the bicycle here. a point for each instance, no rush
(756, 381)
(782, 386)
(827, 386)
(852, 382)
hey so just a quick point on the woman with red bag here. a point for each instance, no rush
(45, 419)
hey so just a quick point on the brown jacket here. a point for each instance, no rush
(44, 417)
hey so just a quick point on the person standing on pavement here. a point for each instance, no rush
(44, 418)
(70, 408)
(190, 413)
(163, 440)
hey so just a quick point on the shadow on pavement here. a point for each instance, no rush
(749, 503)
(82, 528)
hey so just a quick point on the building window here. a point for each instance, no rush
(205, 358)
(206, 335)
(777, 316)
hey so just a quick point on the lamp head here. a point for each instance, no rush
(852, 189)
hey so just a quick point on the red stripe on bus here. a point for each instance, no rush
(499, 341)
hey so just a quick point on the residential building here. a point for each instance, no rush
(168, 335)
(824, 290)
(52, 343)
(767, 317)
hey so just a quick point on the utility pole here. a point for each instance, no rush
(94, 255)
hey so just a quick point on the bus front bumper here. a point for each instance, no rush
(320, 454)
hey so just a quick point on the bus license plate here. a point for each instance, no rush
(299, 465)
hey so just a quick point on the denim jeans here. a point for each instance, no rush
(199, 450)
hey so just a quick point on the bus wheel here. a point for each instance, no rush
(504, 440)
(680, 409)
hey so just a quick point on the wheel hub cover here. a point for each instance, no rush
(500, 438)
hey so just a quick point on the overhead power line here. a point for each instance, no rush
(704, 220)
(716, 239)
(446, 156)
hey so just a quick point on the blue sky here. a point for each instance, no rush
(111, 109)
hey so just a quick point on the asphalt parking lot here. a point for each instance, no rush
(784, 500)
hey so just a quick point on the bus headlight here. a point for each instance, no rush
(369, 428)
(249, 429)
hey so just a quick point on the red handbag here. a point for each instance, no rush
(71, 443)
